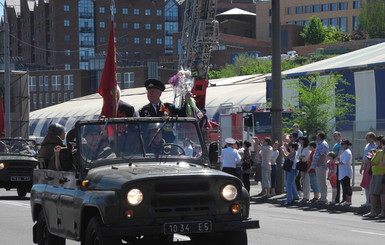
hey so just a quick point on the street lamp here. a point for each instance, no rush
(7, 76)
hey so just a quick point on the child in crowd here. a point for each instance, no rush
(311, 172)
(332, 175)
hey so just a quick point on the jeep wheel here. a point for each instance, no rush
(234, 238)
(21, 191)
(43, 235)
(94, 234)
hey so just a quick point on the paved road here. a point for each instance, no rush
(279, 225)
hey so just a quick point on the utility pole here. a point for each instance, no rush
(7, 77)
(276, 110)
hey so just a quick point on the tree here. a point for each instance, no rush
(371, 18)
(319, 101)
(314, 32)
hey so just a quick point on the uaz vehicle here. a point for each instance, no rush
(133, 180)
(17, 161)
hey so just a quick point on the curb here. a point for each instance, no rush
(279, 200)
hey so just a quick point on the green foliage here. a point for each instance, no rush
(314, 32)
(371, 18)
(248, 65)
(334, 35)
(320, 102)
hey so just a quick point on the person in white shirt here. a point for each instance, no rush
(188, 150)
(230, 158)
(345, 172)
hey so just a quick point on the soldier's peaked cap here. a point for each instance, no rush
(154, 83)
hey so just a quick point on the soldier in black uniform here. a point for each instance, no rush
(156, 108)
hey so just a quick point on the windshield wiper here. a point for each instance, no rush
(157, 131)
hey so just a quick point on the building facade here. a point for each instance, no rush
(341, 13)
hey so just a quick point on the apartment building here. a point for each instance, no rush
(341, 13)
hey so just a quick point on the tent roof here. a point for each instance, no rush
(236, 11)
(359, 59)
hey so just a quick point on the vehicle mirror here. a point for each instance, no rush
(213, 153)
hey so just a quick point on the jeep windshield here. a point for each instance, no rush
(138, 139)
(17, 146)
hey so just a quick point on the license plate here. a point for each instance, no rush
(20, 178)
(187, 227)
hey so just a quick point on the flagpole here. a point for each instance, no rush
(115, 102)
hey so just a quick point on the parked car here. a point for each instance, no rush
(18, 159)
(129, 181)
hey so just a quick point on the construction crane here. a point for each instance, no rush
(199, 36)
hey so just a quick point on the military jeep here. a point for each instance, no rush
(133, 181)
(18, 159)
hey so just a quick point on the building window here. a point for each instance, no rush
(102, 24)
(102, 39)
(71, 95)
(40, 100)
(55, 83)
(136, 12)
(343, 6)
(159, 41)
(343, 23)
(59, 98)
(159, 27)
(128, 80)
(125, 39)
(53, 98)
(136, 54)
(307, 9)
(67, 52)
(356, 4)
(41, 83)
(66, 23)
(325, 22)
(124, 10)
(158, 12)
(47, 99)
(102, 10)
(32, 83)
(66, 96)
(125, 25)
(67, 37)
(147, 26)
(34, 101)
(324, 7)
(137, 40)
(46, 82)
(298, 10)
(147, 12)
(288, 10)
(136, 26)
(356, 22)
(67, 66)
(119, 79)
(316, 8)
(333, 22)
(333, 7)
(66, 8)
(68, 82)
(148, 40)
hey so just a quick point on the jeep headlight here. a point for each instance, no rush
(229, 192)
(134, 197)
(2, 165)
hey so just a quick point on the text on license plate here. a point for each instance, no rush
(187, 227)
(20, 178)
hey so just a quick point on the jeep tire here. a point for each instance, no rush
(94, 234)
(44, 237)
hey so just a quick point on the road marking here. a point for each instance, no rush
(18, 204)
(369, 233)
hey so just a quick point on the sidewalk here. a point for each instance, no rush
(358, 199)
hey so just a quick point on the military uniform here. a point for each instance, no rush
(160, 109)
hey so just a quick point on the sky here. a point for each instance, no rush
(1, 7)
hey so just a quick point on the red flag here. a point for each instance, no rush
(2, 125)
(107, 87)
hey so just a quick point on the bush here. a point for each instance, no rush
(359, 35)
